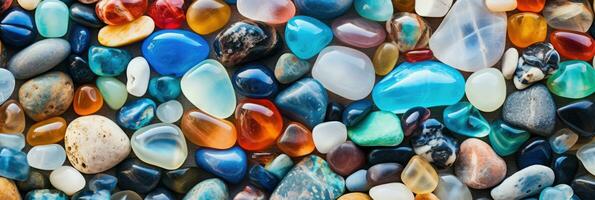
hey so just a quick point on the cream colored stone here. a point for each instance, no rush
(120, 35)
(501, 5)
(28, 4)
(67, 180)
(509, 62)
(486, 89)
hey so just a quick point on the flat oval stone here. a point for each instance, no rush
(356, 111)
(259, 124)
(49, 131)
(385, 58)
(573, 45)
(344, 71)
(505, 139)
(279, 166)
(585, 154)
(85, 15)
(478, 166)
(14, 141)
(579, 116)
(170, 111)
(419, 176)
(509, 62)
(376, 10)
(391, 191)
(79, 38)
(15, 164)
(137, 76)
(379, 128)
(16, 28)
(246, 41)
(399, 154)
(464, 119)
(183, 179)
(413, 119)
(328, 135)
(161, 144)
(136, 114)
(477, 85)
(261, 178)
(574, 79)
(221, 100)
(7, 84)
(451, 188)
(323, 9)
(296, 140)
(384, 173)
(290, 68)
(563, 140)
(79, 70)
(47, 95)
(357, 181)
(278, 11)
(121, 35)
(164, 88)
(532, 109)
(229, 164)
(113, 91)
(137, 176)
(358, 32)
(46, 157)
(255, 81)
(105, 61)
(304, 101)
(558, 17)
(95, 143)
(174, 52)
(431, 143)
(38, 58)
(565, 168)
(482, 39)
(212, 189)
(207, 131)
(51, 18)
(523, 183)
(345, 158)
(307, 36)
(398, 91)
(409, 31)
(67, 180)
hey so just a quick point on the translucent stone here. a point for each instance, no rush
(137, 76)
(51, 18)
(419, 176)
(125, 34)
(586, 154)
(573, 45)
(170, 111)
(572, 15)
(501, 5)
(385, 58)
(212, 189)
(346, 158)
(87, 100)
(561, 191)
(391, 191)
(67, 180)
(472, 30)
(162, 145)
(563, 140)
(259, 123)
(14, 141)
(376, 10)
(113, 91)
(526, 28)
(358, 32)
(344, 71)
(136, 114)
(432, 8)
(408, 30)
(478, 166)
(451, 188)
(49, 131)
(207, 131)
(328, 135)
(279, 166)
(530, 5)
(12, 117)
(355, 196)
(46, 157)
(207, 16)
(486, 89)
(7, 83)
(574, 79)
(296, 140)
(579, 117)
(505, 139)
(229, 164)
(168, 14)
(307, 36)
(268, 11)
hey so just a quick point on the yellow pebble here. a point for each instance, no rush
(526, 28)
(120, 35)
(355, 196)
(419, 176)
(207, 16)
(385, 58)
(426, 196)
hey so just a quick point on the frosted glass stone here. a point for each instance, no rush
(170, 112)
(7, 84)
(162, 145)
(586, 155)
(138, 74)
(486, 89)
(328, 135)
(46, 157)
(470, 37)
(501, 5)
(344, 71)
(451, 188)
(509, 62)
(67, 180)
(432, 8)
(391, 191)
(14, 141)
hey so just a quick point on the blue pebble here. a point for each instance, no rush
(261, 178)
(535, 151)
(356, 111)
(564, 167)
(334, 112)
(164, 88)
(280, 166)
(306, 36)
(173, 52)
(137, 176)
(160, 194)
(80, 38)
(255, 81)
(105, 61)
(102, 182)
(323, 9)
(13, 164)
(231, 1)
(14, 141)
(45, 194)
(357, 181)
(136, 114)
(229, 164)
(90, 195)
(304, 101)
(16, 28)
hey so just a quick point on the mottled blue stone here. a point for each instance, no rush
(255, 81)
(261, 178)
(304, 101)
(105, 61)
(79, 70)
(137, 176)
(14, 141)
(334, 112)
(400, 154)
(434, 145)
(565, 167)
(311, 178)
(173, 52)
(102, 182)
(357, 181)
(46, 194)
(557, 192)
(356, 111)
(464, 119)
(210, 189)
(426, 84)
(229, 164)
(536, 151)
(136, 114)
(85, 15)
(80, 38)
(307, 36)
(377, 10)
(160, 194)
(323, 9)
(164, 88)
(16, 28)
(279, 166)
(13, 164)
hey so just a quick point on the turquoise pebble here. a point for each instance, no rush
(464, 119)
(505, 139)
(262, 178)
(14, 141)
(376, 10)
(379, 128)
(105, 61)
(306, 36)
(304, 101)
(136, 114)
(13, 164)
(51, 18)
(46, 194)
(164, 88)
(210, 189)
(280, 165)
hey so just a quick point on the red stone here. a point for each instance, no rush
(167, 14)
(573, 45)
(418, 55)
(346, 158)
(117, 12)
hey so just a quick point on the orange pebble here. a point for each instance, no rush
(49, 131)
(426, 196)
(87, 100)
(207, 131)
(526, 28)
(530, 5)
(259, 123)
(296, 141)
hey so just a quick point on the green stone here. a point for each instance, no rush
(113, 91)
(51, 18)
(210, 189)
(574, 79)
(311, 179)
(505, 139)
(279, 166)
(379, 128)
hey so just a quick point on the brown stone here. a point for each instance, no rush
(345, 158)
(8, 190)
(478, 165)
(384, 173)
(46, 96)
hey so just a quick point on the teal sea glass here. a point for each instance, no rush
(105, 61)
(307, 36)
(574, 79)
(464, 119)
(505, 139)
(376, 10)
(51, 18)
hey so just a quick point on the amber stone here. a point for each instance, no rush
(530, 5)
(87, 100)
(404, 5)
(208, 131)
(12, 117)
(116, 12)
(418, 55)
(49, 131)
(426, 196)
(419, 176)
(296, 140)
(207, 16)
(259, 123)
(573, 45)
(346, 158)
(527, 28)
(385, 58)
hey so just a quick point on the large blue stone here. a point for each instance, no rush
(323, 9)
(306, 36)
(310, 179)
(536, 151)
(16, 28)
(105, 61)
(255, 81)
(137, 176)
(173, 52)
(80, 38)
(426, 84)
(13, 164)
(304, 101)
(136, 114)
(229, 164)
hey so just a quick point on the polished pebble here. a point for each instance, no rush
(379, 128)
(137, 176)
(47, 95)
(304, 101)
(290, 68)
(137, 76)
(162, 145)
(328, 135)
(464, 119)
(125, 34)
(563, 140)
(524, 183)
(296, 140)
(451, 188)
(478, 166)
(67, 180)
(113, 92)
(15, 164)
(579, 117)
(136, 114)
(358, 32)
(307, 36)
(229, 164)
(259, 123)
(169, 112)
(164, 88)
(505, 139)
(12, 117)
(183, 179)
(486, 89)
(87, 100)
(207, 16)
(51, 18)
(357, 181)
(585, 155)
(174, 52)
(49, 131)
(167, 14)
(419, 176)
(14, 141)
(391, 191)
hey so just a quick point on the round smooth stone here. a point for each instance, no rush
(7, 84)
(391, 191)
(28, 4)
(358, 32)
(255, 81)
(345, 158)
(259, 124)
(170, 111)
(125, 34)
(79, 38)
(9, 190)
(419, 176)
(451, 188)
(328, 135)
(212, 189)
(137, 176)
(105, 61)
(161, 144)
(579, 116)
(207, 131)
(216, 98)
(126, 195)
(574, 79)
(532, 109)
(307, 36)
(51, 18)
(167, 14)
(79, 70)
(85, 15)
(304, 101)
(536, 151)
(379, 128)
(376, 10)
(14, 141)
(67, 180)
(17, 28)
(385, 58)
(437, 8)
(137, 76)
(229, 164)
(478, 166)
(290, 68)
(95, 143)
(562, 140)
(523, 183)
(49, 131)
(384, 173)
(164, 88)
(207, 16)
(344, 71)
(409, 31)
(356, 182)
(174, 52)
(527, 28)
(38, 58)
(181, 180)
(47, 95)
(323, 9)
(113, 91)
(46, 157)
(509, 62)
(136, 114)
(486, 89)
(561, 191)
(246, 41)
(277, 11)
(586, 154)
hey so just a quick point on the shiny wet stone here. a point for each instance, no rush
(137, 176)
(183, 179)
(229, 164)
(565, 168)
(262, 178)
(310, 179)
(536, 151)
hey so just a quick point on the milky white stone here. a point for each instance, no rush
(509, 62)
(28, 4)
(533, 178)
(586, 154)
(67, 180)
(46, 157)
(470, 37)
(391, 191)
(451, 188)
(501, 5)
(432, 8)
(486, 89)
(344, 71)
(328, 135)
(7, 84)
(170, 112)
(137, 75)
(14, 141)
